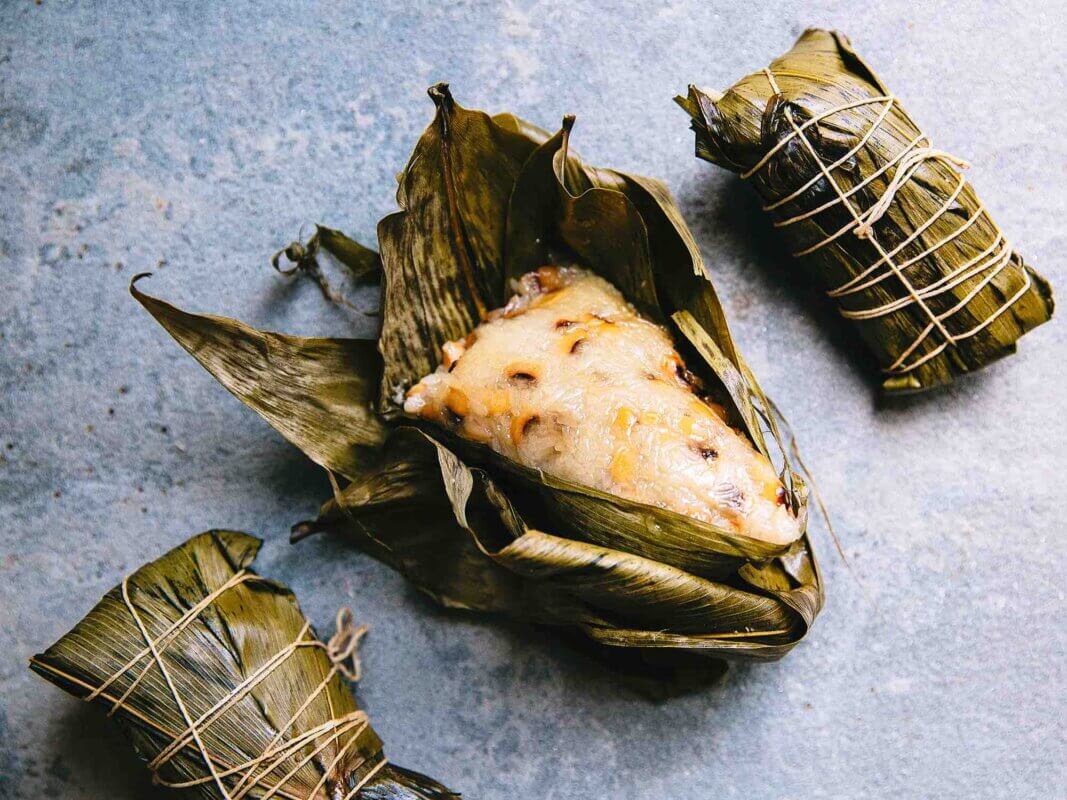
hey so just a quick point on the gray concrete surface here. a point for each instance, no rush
(194, 138)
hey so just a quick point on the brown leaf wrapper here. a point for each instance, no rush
(932, 285)
(484, 199)
(221, 666)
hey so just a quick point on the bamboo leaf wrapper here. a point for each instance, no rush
(223, 687)
(484, 200)
(884, 221)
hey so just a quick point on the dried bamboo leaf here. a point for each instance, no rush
(484, 200)
(399, 512)
(885, 222)
(526, 132)
(504, 565)
(317, 393)
(587, 220)
(442, 252)
(362, 262)
(682, 279)
(222, 662)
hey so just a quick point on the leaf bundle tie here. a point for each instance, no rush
(907, 162)
(343, 652)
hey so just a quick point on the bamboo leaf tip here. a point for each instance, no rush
(134, 280)
(440, 94)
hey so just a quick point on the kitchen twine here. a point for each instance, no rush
(994, 259)
(344, 659)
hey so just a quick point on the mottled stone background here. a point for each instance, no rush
(195, 138)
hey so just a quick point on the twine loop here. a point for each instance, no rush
(907, 167)
(343, 646)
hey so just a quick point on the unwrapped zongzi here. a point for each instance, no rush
(568, 378)
(884, 220)
(594, 541)
(223, 686)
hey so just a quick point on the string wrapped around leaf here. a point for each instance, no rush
(883, 219)
(593, 453)
(222, 685)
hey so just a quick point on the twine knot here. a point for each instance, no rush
(343, 646)
(907, 167)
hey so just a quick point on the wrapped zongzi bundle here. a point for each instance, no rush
(222, 685)
(884, 220)
(554, 422)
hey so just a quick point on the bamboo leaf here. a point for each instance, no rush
(400, 512)
(490, 559)
(442, 252)
(317, 393)
(564, 212)
(362, 262)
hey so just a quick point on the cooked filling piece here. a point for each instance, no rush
(569, 379)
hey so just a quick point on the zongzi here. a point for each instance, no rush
(568, 378)
(223, 686)
(884, 220)
(654, 525)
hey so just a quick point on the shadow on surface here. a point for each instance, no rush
(91, 757)
(645, 675)
(293, 476)
(735, 215)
